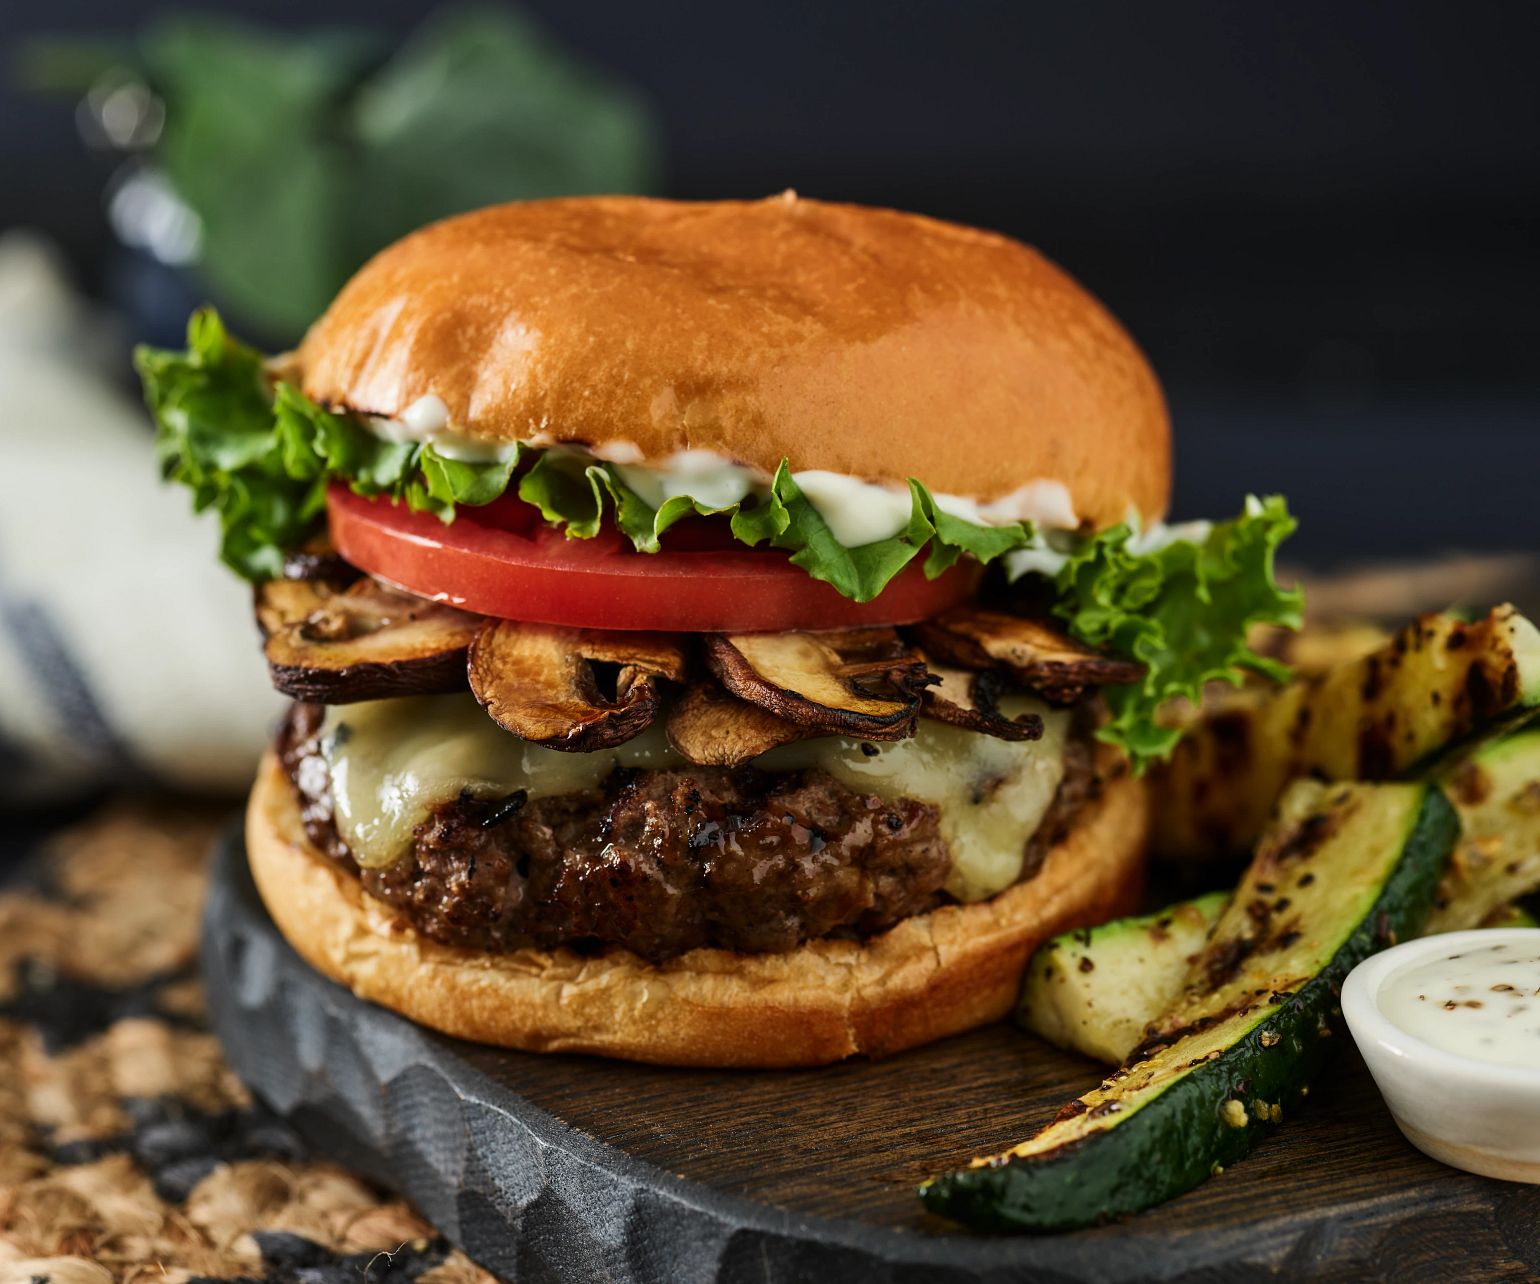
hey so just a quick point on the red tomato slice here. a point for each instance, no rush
(503, 560)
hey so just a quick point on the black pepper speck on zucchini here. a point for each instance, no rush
(1344, 871)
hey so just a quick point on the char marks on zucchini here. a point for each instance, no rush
(1438, 684)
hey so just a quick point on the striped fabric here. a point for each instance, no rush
(126, 652)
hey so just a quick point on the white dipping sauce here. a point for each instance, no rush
(1480, 1001)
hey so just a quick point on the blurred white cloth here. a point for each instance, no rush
(127, 652)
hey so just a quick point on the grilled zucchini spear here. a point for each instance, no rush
(1439, 682)
(1497, 793)
(1346, 870)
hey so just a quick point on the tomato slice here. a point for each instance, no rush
(503, 560)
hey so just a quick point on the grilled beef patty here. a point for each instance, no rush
(660, 862)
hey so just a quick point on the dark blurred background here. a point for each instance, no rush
(1320, 219)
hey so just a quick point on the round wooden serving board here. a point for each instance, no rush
(576, 1169)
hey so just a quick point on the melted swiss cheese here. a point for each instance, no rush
(393, 761)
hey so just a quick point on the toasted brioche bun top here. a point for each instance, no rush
(860, 341)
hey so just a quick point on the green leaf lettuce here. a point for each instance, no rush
(1183, 609)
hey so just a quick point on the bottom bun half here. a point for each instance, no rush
(933, 975)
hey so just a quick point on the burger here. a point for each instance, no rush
(724, 633)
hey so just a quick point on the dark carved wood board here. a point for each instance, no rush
(574, 1168)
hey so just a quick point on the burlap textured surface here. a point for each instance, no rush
(128, 1150)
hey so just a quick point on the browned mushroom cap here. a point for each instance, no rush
(278, 604)
(1038, 656)
(714, 729)
(861, 682)
(969, 699)
(539, 682)
(366, 642)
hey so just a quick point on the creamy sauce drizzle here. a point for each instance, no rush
(856, 510)
(427, 420)
(1480, 1001)
(701, 474)
(393, 761)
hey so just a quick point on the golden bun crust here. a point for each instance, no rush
(860, 341)
(931, 976)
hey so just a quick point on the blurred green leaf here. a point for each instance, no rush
(249, 144)
(304, 153)
(480, 107)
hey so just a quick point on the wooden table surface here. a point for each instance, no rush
(856, 1139)
(566, 1167)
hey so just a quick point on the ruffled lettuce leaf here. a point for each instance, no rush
(573, 492)
(260, 454)
(1183, 610)
(577, 493)
(217, 434)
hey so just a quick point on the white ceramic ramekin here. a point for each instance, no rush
(1470, 1114)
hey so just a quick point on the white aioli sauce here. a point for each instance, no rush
(425, 416)
(1160, 535)
(1480, 1001)
(857, 511)
(427, 420)
(701, 474)
(393, 761)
